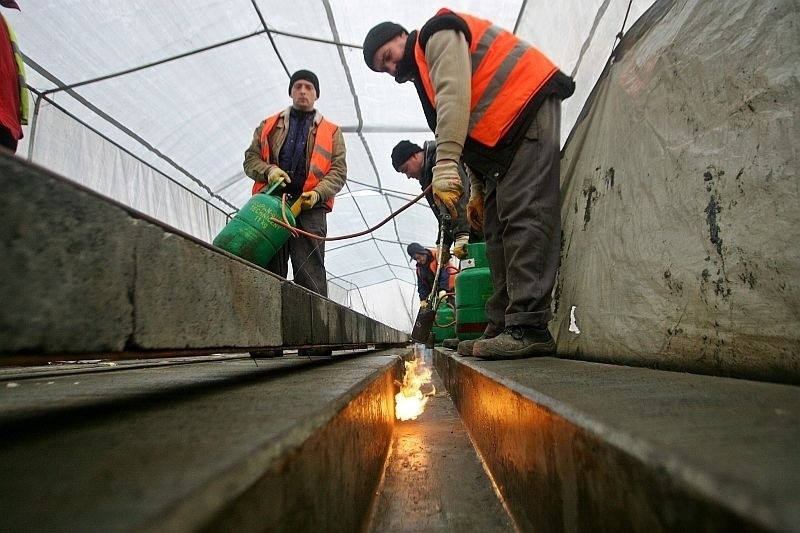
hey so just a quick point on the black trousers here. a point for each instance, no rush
(522, 224)
(307, 254)
(6, 139)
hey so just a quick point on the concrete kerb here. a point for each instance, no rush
(295, 324)
(334, 459)
(188, 296)
(266, 441)
(561, 468)
(137, 284)
(71, 263)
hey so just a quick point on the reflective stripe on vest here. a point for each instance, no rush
(321, 155)
(23, 88)
(506, 73)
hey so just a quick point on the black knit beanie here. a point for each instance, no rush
(377, 37)
(402, 151)
(304, 75)
(415, 248)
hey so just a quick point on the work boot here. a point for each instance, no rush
(450, 344)
(516, 342)
(314, 352)
(465, 347)
(266, 354)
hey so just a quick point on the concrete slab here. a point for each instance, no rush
(190, 296)
(320, 321)
(91, 276)
(66, 263)
(296, 315)
(588, 446)
(217, 445)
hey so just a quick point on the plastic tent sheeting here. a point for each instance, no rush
(154, 103)
(680, 197)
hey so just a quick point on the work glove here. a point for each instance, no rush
(423, 304)
(308, 200)
(277, 174)
(447, 188)
(475, 204)
(460, 246)
(475, 212)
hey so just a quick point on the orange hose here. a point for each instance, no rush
(295, 231)
(435, 321)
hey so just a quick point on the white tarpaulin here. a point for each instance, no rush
(680, 197)
(154, 103)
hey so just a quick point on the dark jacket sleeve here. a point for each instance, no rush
(444, 279)
(461, 224)
(421, 290)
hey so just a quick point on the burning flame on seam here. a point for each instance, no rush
(410, 401)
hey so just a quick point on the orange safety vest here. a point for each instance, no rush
(501, 87)
(451, 281)
(321, 156)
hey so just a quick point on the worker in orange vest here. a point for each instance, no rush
(417, 162)
(13, 90)
(304, 152)
(494, 102)
(427, 262)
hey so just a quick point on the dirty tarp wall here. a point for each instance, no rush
(681, 227)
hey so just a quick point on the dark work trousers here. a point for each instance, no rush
(308, 255)
(522, 223)
(7, 139)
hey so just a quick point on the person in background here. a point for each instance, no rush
(305, 153)
(13, 91)
(426, 260)
(417, 163)
(494, 103)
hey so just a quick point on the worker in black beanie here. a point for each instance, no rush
(303, 154)
(494, 102)
(378, 36)
(304, 75)
(417, 163)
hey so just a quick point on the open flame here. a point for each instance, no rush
(410, 401)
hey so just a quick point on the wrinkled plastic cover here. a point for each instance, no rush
(168, 139)
(680, 197)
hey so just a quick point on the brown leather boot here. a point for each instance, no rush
(450, 344)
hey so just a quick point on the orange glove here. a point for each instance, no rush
(447, 188)
(475, 212)
(476, 200)
(308, 200)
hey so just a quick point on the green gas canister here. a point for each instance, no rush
(444, 326)
(473, 288)
(251, 234)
